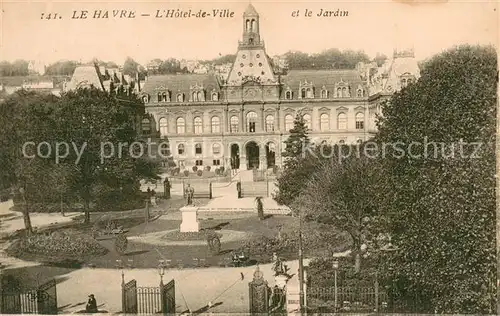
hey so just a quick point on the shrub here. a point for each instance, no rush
(199, 173)
(222, 169)
(207, 168)
(121, 243)
(217, 171)
(175, 171)
(62, 244)
(186, 173)
(195, 168)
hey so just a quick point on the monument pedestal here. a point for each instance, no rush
(189, 219)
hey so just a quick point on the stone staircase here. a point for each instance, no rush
(254, 189)
(246, 175)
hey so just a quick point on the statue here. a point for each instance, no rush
(166, 186)
(189, 195)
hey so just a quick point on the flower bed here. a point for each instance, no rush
(176, 235)
(56, 246)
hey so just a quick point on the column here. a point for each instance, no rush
(262, 119)
(262, 157)
(225, 121)
(242, 119)
(278, 119)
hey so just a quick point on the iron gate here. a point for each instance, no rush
(148, 300)
(168, 297)
(42, 300)
(129, 297)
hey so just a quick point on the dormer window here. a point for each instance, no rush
(324, 93)
(215, 96)
(180, 97)
(306, 90)
(288, 95)
(360, 92)
(163, 96)
(197, 93)
(406, 79)
(342, 89)
(145, 98)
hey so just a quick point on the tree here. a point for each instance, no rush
(442, 206)
(91, 118)
(297, 165)
(380, 59)
(344, 192)
(61, 67)
(25, 117)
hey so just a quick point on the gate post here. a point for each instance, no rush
(259, 294)
(124, 305)
(376, 293)
(210, 190)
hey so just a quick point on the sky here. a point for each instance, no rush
(371, 26)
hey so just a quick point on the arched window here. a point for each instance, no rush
(324, 94)
(324, 122)
(307, 121)
(251, 120)
(303, 93)
(198, 125)
(197, 149)
(339, 92)
(247, 26)
(180, 97)
(310, 93)
(342, 121)
(216, 149)
(254, 26)
(344, 92)
(200, 96)
(181, 125)
(160, 97)
(288, 95)
(215, 124)
(360, 93)
(360, 120)
(163, 126)
(215, 96)
(234, 124)
(145, 99)
(269, 123)
(146, 126)
(180, 149)
(288, 122)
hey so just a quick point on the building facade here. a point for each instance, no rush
(241, 120)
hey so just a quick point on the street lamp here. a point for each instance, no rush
(335, 266)
(161, 270)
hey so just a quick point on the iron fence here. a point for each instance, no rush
(149, 300)
(349, 299)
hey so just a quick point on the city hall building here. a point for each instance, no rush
(241, 121)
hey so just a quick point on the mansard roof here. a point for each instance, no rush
(180, 83)
(320, 78)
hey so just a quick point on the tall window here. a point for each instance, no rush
(234, 124)
(195, 97)
(288, 122)
(198, 125)
(342, 121)
(180, 149)
(197, 149)
(146, 126)
(180, 97)
(145, 99)
(324, 122)
(339, 92)
(215, 124)
(324, 94)
(163, 126)
(310, 94)
(344, 92)
(215, 96)
(303, 93)
(288, 95)
(200, 96)
(360, 93)
(216, 149)
(251, 120)
(360, 121)
(181, 125)
(269, 123)
(307, 121)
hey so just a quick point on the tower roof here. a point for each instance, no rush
(250, 10)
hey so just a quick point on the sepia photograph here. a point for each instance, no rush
(249, 157)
